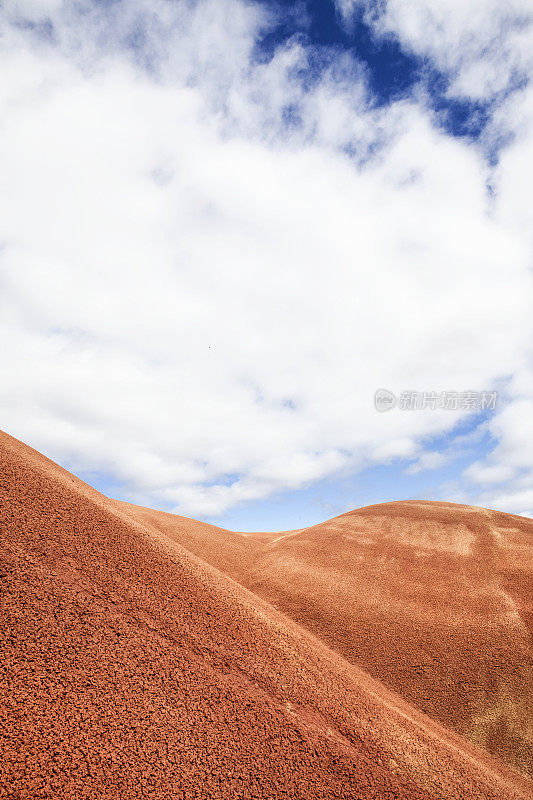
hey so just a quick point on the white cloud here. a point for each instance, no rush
(504, 479)
(514, 120)
(484, 45)
(201, 299)
(31, 9)
(496, 473)
(426, 461)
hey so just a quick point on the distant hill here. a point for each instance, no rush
(434, 599)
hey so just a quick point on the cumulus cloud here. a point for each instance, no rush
(210, 260)
(483, 46)
(504, 478)
(426, 461)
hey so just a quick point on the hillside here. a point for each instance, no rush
(433, 599)
(130, 668)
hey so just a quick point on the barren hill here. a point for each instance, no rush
(131, 668)
(434, 599)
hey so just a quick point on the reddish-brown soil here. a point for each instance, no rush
(131, 668)
(434, 599)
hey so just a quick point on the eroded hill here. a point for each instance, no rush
(434, 599)
(133, 669)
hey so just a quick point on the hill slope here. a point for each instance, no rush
(131, 669)
(434, 599)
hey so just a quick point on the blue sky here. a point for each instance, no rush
(241, 219)
(393, 72)
(332, 496)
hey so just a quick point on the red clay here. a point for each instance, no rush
(434, 599)
(132, 669)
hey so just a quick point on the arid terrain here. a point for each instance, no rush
(380, 655)
(434, 599)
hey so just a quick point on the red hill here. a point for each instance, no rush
(434, 599)
(131, 668)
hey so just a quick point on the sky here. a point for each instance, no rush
(226, 225)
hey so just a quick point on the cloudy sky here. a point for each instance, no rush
(225, 224)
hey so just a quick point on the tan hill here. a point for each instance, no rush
(130, 668)
(434, 599)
